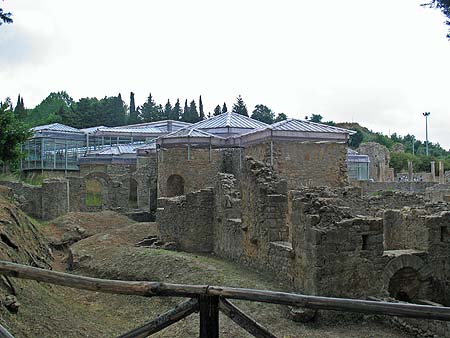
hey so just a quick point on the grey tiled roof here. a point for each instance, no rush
(229, 120)
(190, 132)
(308, 126)
(134, 130)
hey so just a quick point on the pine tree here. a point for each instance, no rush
(200, 108)
(168, 110)
(176, 111)
(217, 110)
(239, 107)
(149, 110)
(224, 108)
(263, 113)
(280, 117)
(133, 118)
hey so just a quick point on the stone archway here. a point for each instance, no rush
(405, 277)
(175, 186)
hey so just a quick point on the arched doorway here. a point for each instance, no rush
(405, 285)
(175, 186)
(407, 278)
(133, 194)
(94, 193)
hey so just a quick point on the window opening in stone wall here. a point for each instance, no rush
(94, 193)
(132, 197)
(365, 242)
(175, 186)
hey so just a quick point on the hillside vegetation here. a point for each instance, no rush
(399, 159)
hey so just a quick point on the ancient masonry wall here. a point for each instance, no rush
(335, 253)
(198, 168)
(116, 181)
(250, 220)
(369, 188)
(188, 220)
(304, 164)
(146, 176)
(438, 192)
(44, 202)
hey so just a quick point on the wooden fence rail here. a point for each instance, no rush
(209, 299)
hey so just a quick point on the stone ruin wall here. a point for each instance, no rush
(316, 240)
(57, 196)
(44, 202)
(187, 220)
(305, 164)
(250, 220)
(115, 179)
(197, 172)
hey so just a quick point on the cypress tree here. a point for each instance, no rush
(19, 111)
(200, 108)
(217, 110)
(224, 108)
(134, 114)
(168, 110)
(176, 111)
(193, 113)
(185, 115)
(239, 107)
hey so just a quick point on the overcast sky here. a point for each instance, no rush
(380, 63)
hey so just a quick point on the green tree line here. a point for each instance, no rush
(112, 111)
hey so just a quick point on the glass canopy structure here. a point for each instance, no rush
(59, 147)
(357, 166)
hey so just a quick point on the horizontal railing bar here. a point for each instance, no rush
(149, 289)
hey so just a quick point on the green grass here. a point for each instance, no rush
(93, 199)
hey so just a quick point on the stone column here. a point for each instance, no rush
(433, 171)
(410, 171)
(441, 172)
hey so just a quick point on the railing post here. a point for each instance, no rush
(209, 316)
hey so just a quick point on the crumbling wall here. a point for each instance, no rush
(304, 164)
(369, 188)
(404, 229)
(188, 220)
(335, 254)
(228, 228)
(28, 197)
(438, 258)
(146, 175)
(438, 192)
(250, 220)
(264, 210)
(45, 202)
